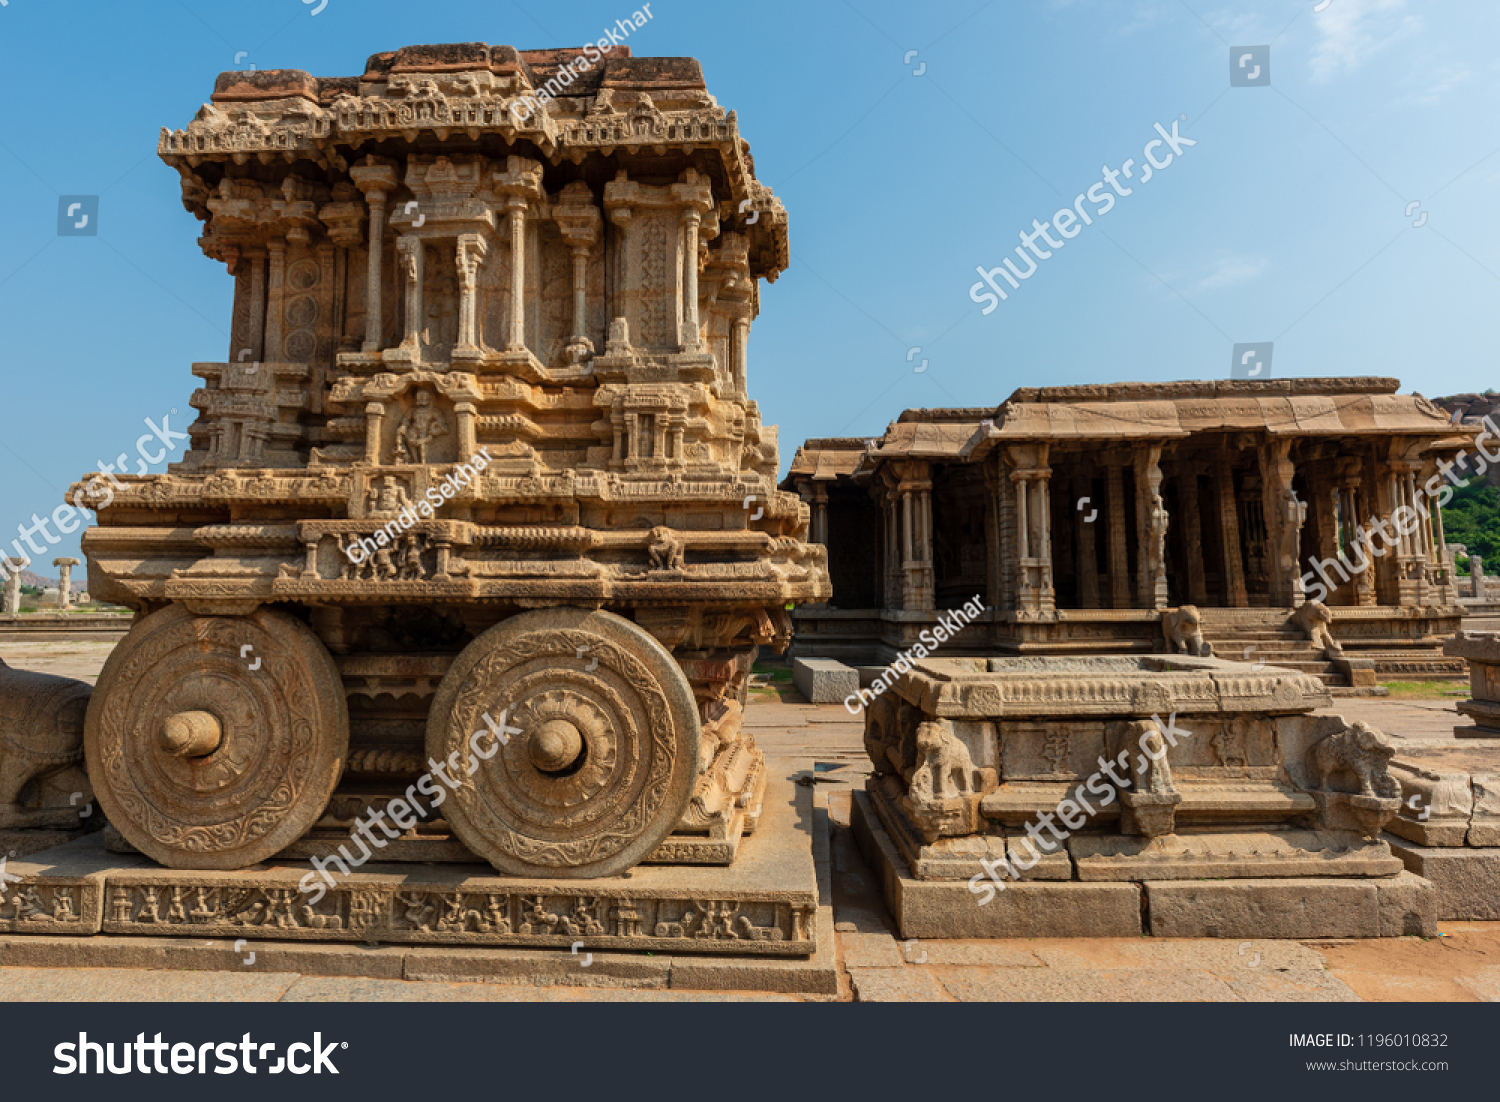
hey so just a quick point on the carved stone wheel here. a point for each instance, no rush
(602, 749)
(215, 742)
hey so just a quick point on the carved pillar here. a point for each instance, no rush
(376, 179)
(257, 259)
(1192, 537)
(1151, 528)
(820, 513)
(1119, 552)
(1284, 515)
(1035, 597)
(579, 221)
(375, 273)
(275, 298)
(673, 436)
(412, 253)
(1236, 595)
(374, 431)
(1088, 555)
(516, 211)
(467, 442)
(741, 356)
(689, 334)
(471, 253)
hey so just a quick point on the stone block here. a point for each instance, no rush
(939, 909)
(1467, 881)
(1288, 908)
(1408, 906)
(1241, 855)
(824, 681)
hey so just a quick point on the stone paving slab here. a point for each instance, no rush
(1055, 985)
(887, 985)
(1306, 986)
(1485, 984)
(131, 985)
(318, 989)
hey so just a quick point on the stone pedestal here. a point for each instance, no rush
(1053, 797)
(1482, 651)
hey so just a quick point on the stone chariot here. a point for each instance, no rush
(481, 463)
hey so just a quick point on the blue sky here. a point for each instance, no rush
(1286, 222)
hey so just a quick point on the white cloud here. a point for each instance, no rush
(1229, 269)
(1353, 31)
(1435, 83)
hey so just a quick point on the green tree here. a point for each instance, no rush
(1472, 518)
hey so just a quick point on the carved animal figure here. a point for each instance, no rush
(1359, 752)
(1183, 628)
(1313, 618)
(41, 750)
(944, 768)
(666, 550)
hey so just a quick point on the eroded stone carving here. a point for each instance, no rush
(1183, 628)
(42, 782)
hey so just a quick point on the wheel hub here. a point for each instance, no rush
(555, 746)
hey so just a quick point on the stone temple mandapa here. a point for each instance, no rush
(1146, 516)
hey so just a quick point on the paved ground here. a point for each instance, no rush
(876, 966)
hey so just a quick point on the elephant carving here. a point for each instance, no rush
(1183, 628)
(1359, 754)
(42, 780)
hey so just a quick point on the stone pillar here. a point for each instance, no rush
(413, 254)
(820, 514)
(1284, 515)
(1476, 577)
(257, 259)
(516, 208)
(377, 179)
(65, 585)
(1035, 596)
(907, 545)
(1151, 528)
(1088, 555)
(1119, 552)
(1353, 541)
(471, 253)
(579, 346)
(468, 443)
(374, 432)
(1411, 558)
(12, 568)
(689, 336)
(579, 221)
(1236, 595)
(741, 356)
(1192, 537)
(275, 296)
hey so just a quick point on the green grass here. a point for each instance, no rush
(1427, 690)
